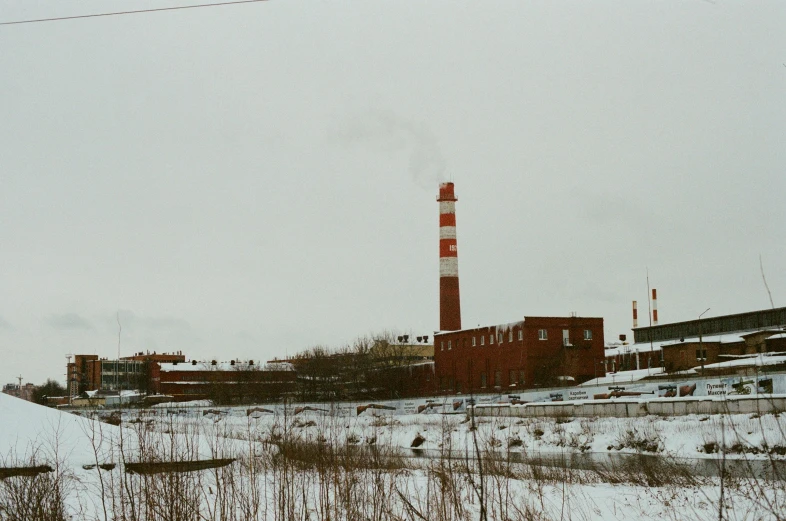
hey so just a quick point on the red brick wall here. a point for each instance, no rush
(204, 382)
(683, 356)
(460, 366)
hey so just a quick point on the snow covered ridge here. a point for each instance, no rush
(239, 431)
(56, 437)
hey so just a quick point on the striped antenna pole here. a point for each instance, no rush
(449, 301)
(635, 315)
(654, 307)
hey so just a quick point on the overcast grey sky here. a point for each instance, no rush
(251, 180)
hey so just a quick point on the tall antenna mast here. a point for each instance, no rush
(69, 382)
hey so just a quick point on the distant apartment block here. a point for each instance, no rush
(25, 391)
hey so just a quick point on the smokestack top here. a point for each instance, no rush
(446, 192)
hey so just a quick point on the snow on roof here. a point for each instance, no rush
(496, 327)
(615, 350)
(503, 327)
(192, 403)
(226, 366)
(633, 348)
(622, 377)
(773, 333)
(752, 355)
(754, 361)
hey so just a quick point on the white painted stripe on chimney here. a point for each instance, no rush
(448, 267)
(447, 207)
(447, 232)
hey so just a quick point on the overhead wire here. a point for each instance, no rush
(152, 10)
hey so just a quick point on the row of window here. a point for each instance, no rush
(514, 378)
(542, 335)
(124, 366)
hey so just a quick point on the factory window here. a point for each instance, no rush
(521, 377)
(442, 345)
(510, 336)
(473, 341)
(521, 334)
(483, 380)
(587, 334)
(497, 378)
(482, 339)
(701, 354)
(491, 339)
(499, 340)
(542, 334)
(450, 346)
(566, 337)
(512, 377)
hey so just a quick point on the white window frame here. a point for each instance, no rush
(587, 334)
(450, 345)
(510, 336)
(482, 340)
(521, 334)
(473, 341)
(543, 334)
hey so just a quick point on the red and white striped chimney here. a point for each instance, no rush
(635, 315)
(654, 307)
(449, 301)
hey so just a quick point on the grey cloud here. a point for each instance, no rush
(68, 321)
(605, 208)
(385, 132)
(4, 324)
(163, 323)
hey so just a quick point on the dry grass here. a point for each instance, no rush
(302, 469)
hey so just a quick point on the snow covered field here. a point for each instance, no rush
(362, 466)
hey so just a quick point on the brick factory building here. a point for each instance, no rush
(24, 392)
(91, 373)
(224, 382)
(535, 352)
(713, 340)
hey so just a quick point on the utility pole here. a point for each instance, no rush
(701, 343)
(117, 362)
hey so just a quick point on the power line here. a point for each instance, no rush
(215, 4)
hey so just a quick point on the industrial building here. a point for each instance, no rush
(91, 373)
(718, 340)
(22, 391)
(537, 351)
(699, 343)
(534, 352)
(224, 382)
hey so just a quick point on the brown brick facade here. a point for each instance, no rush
(535, 352)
